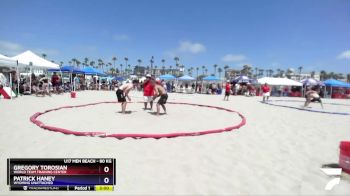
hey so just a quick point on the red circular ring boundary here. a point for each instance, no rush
(34, 120)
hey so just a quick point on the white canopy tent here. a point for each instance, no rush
(28, 57)
(33, 60)
(7, 61)
(279, 81)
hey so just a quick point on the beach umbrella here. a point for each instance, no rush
(241, 79)
(167, 77)
(186, 78)
(311, 82)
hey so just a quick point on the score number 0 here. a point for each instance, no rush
(106, 170)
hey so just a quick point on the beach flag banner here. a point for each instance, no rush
(7, 92)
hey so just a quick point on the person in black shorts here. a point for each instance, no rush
(159, 91)
(312, 96)
(123, 93)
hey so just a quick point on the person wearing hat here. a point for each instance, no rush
(148, 91)
(227, 90)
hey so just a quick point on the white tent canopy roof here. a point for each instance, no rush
(28, 56)
(7, 61)
(4, 57)
(279, 81)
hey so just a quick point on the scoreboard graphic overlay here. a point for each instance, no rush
(68, 174)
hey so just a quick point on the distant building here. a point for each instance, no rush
(142, 71)
(232, 73)
(297, 76)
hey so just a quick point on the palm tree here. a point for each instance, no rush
(74, 60)
(78, 63)
(225, 69)
(323, 75)
(189, 72)
(139, 61)
(256, 72)
(206, 71)
(114, 59)
(112, 70)
(176, 59)
(278, 72)
(163, 69)
(43, 55)
(300, 68)
(92, 63)
(281, 73)
(197, 69)
(70, 62)
(215, 66)
(261, 72)
(126, 62)
(155, 69)
(129, 66)
(203, 68)
(121, 69)
(99, 63)
(152, 61)
(163, 61)
(171, 69)
(86, 60)
(61, 63)
(219, 71)
(163, 66)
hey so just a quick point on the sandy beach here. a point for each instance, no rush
(278, 152)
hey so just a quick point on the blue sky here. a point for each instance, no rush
(267, 34)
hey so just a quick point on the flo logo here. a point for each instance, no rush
(332, 172)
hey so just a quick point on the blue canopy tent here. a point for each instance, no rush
(335, 83)
(167, 77)
(211, 78)
(93, 71)
(186, 78)
(68, 69)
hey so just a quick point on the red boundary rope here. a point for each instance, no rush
(34, 120)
